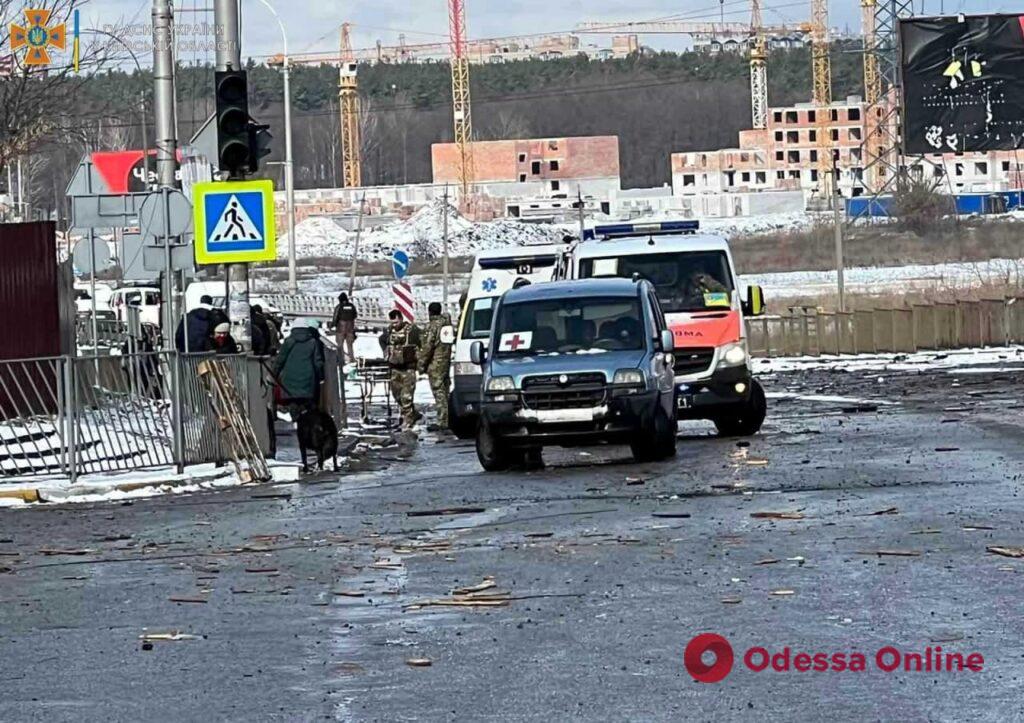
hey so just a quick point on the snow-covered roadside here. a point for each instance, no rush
(120, 486)
(990, 360)
(889, 278)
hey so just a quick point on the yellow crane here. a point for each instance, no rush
(461, 102)
(821, 66)
(348, 100)
(758, 68)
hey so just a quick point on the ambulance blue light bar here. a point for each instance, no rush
(621, 230)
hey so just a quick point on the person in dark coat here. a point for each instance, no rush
(199, 323)
(344, 323)
(299, 368)
(223, 342)
(261, 334)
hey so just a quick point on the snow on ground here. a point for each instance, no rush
(957, 275)
(421, 236)
(959, 361)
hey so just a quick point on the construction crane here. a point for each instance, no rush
(874, 136)
(821, 66)
(678, 27)
(758, 68)
(348, 101)
(461, 103)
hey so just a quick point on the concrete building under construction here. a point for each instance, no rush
(537, 167)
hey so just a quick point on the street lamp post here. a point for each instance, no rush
(289, 176)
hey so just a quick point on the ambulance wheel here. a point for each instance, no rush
(747, 419)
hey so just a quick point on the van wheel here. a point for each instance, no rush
(531, 458)
(493, 455)
(463, 427)
(655, 442)
(748, 418)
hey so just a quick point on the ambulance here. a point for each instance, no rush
(696, 284)
(494, 272)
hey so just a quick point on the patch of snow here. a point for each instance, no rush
(422, 236)
(952, 361)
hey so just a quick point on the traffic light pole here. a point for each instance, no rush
(229, 57)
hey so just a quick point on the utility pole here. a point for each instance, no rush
(837, 201)
(355, 250)
(444, 257)
(166, 141)
(229, 57)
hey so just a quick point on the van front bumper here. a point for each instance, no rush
(617, 420)
(705, 398)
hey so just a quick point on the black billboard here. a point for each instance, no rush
(963, 83)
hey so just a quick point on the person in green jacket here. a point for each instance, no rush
(435, 361)
(299, 367)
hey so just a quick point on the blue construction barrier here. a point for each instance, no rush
(966, 204)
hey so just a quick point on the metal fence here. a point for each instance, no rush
(79, 415)
(952, 325)
(321, 306)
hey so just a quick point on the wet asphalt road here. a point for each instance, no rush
(309, 598)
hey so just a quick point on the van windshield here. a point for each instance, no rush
(687, 281)
(570, 326)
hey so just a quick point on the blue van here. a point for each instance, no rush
(575, 363)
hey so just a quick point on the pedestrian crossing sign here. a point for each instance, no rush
(234, 221)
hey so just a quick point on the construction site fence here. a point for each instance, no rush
(69, 416)
(936, 326)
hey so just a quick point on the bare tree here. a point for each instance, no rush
(506, 124)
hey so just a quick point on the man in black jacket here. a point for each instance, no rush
(195, 331)
(344, 323)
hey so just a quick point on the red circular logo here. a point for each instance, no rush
(693, 658)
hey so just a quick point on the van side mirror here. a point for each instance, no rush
(668, 342)
(754, 303)
(477, 353)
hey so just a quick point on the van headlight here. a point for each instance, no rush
(733, 355)
(628, 381)
(501, 384)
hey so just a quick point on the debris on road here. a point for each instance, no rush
(947, 449)
(890, 553)
(886, 511)
(419, 662)
(777, 515)
(732, 600)
(52, 552)
(446, 511)
(202, 600)
(975, 528)
(782, 593)
(1005, 551)
(171, 637)
(671, 515)
(634, 480)
(768, 561)
(350, 593)
(860, 409)
(487, 584)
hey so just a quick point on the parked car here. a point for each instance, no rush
(576, 363)
(147, 298)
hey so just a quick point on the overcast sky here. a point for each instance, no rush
(312, 25)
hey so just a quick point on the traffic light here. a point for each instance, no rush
(259, 144)
(233, 137)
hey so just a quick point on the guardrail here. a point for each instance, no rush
(952, 325)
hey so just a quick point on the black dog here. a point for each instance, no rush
(318, 433)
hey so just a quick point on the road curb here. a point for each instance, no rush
(30, 494)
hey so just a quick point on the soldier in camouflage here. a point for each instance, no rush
(401, 344)
(435, 361)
